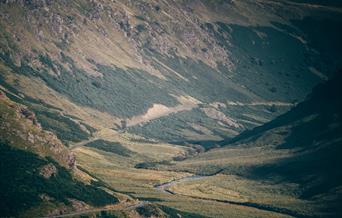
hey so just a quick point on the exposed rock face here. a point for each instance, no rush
(71, 160)
(48, 170)
(30, 116)
(58, 211)
(46, 197)
(78, 205)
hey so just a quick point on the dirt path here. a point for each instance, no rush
(187, 104)
(261, 103)
(96, 210)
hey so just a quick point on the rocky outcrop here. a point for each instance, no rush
(78, 205)
(30, 116)
(48, 170)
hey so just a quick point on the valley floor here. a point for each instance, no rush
(178, 184)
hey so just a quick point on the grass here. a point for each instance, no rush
(156, 210)
(119, 92)
(65, 128)
(150, 165)
(112, 147)
(122, 93)
(38, 94)
(171, 128)
(50, 117)
(119, 174)
(277, 51)
(144, 151)
(171, 212)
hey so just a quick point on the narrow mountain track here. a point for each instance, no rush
(159, 111)
(82, 143)
(96, 210)
(261, 103)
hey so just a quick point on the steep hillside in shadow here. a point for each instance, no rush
(323, 104)
(314, 130)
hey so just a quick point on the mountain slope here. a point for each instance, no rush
(123, 59)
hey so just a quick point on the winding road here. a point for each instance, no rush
(82, 143)
(96, 210)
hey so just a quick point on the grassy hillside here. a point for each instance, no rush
(119, 59)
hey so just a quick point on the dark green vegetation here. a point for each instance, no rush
(150, 165)
(174, 213)
(205, 83)
(169, 128)
(65, 128)
(113, 92)
(150, 211)
(164, 211)
(21, 185)
(122, 93)
(105, 214)
(321, 2)
(112, 147)
(270, 62)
